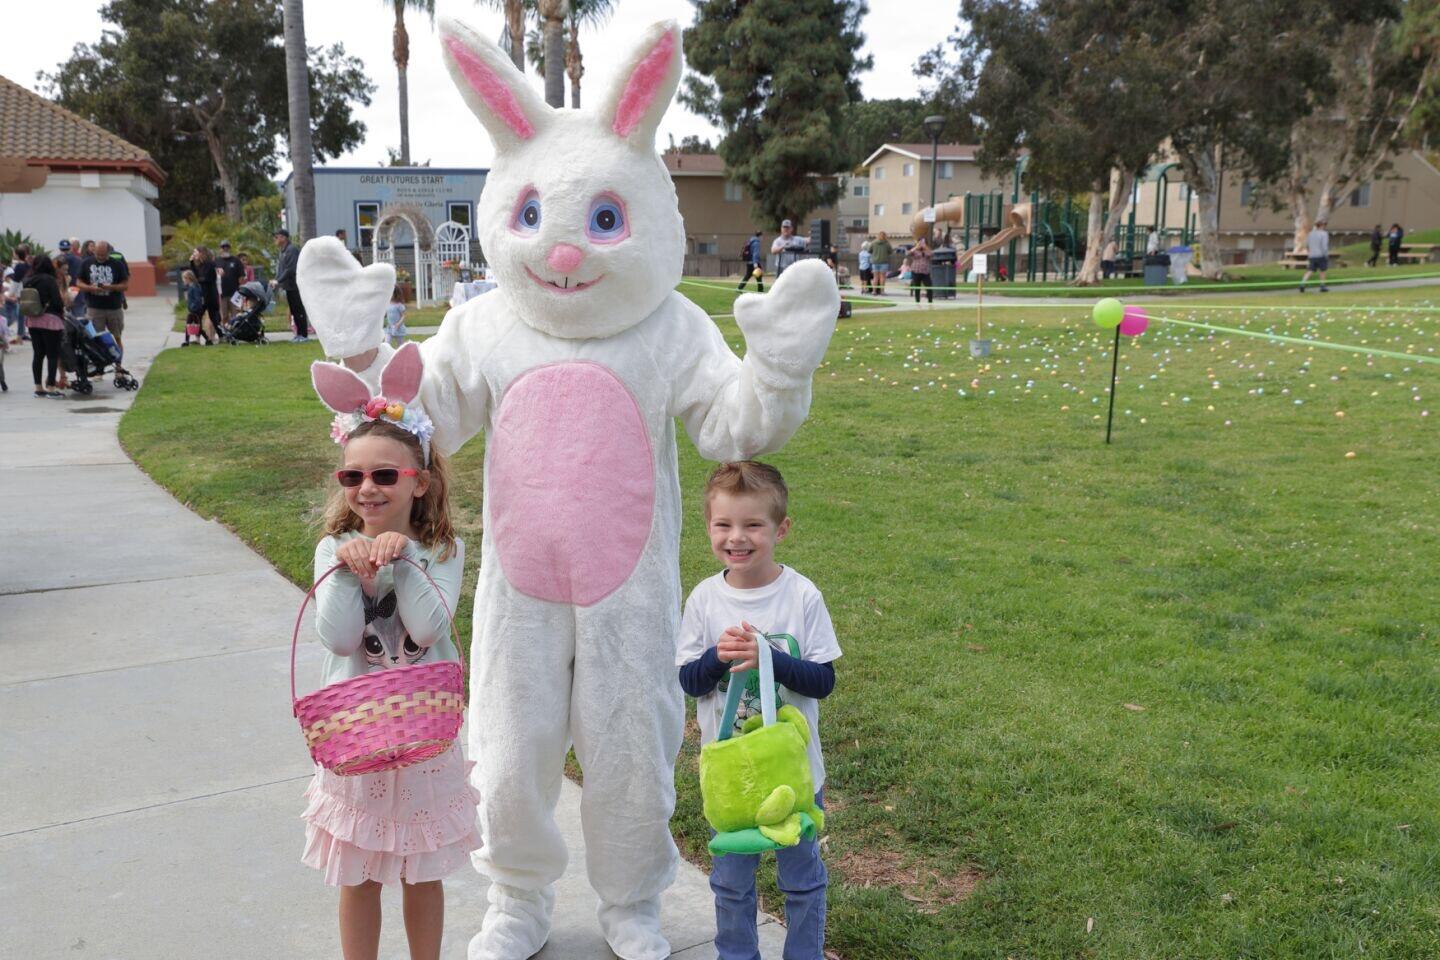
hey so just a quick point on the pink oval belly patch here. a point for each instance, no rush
(572, 483)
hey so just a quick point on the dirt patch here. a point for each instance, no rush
(924, 886)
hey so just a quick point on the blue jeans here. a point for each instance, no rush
(13, 315)
(802, 878)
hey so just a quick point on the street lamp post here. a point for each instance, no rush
(934, 124)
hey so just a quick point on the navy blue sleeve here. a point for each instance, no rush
(703, 674)
(814, 680)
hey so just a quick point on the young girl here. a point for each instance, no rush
(194, 308)
(395, 319)
(417, 824)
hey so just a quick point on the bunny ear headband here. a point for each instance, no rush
(345, 393)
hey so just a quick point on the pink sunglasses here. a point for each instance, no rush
(384, 477)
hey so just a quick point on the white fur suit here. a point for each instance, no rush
(575, 369)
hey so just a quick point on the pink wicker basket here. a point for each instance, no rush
(383, 720)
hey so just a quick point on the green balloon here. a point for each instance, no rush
(1108, 313)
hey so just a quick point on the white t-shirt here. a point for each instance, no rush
(790, 605)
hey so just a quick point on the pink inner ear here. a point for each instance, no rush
(341, 389)
(491, 88)
(643, 85)
(400, 380)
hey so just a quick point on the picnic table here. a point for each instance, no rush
(1415, 252)
(1300, 260)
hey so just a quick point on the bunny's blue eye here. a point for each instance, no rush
(607, 221)
(527, 218)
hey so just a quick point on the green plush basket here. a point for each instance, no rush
(757, 791)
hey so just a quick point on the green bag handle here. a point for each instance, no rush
(737, 685)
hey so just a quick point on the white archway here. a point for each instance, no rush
(452, 241)
(382, 246)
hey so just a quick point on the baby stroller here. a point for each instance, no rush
(249, 325)
(89, 354)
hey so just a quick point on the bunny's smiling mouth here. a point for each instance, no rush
(566, 286)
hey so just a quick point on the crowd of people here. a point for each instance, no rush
(86, 281)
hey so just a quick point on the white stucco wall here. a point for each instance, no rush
(92, 206)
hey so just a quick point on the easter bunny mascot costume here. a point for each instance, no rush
(576, 368)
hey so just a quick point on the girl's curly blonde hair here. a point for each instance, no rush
(430, 514)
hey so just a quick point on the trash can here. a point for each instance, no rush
(942, 272)
(1179, 261)
(1157, 269)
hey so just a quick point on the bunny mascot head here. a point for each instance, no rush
(578, 218)
(576, 368)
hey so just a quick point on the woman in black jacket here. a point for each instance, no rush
(202, 261)
(46, 330)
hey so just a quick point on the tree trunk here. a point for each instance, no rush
(1096, 235)
(1300, 212)
(1202, 173)
(226, 176)
(402, 62)
(515, 23)
(553, 13)
(302, 153)
(574, 64)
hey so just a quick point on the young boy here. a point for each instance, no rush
(745, 517)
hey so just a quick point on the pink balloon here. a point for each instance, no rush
(1134, 322)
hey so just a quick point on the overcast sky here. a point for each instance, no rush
(442, 130)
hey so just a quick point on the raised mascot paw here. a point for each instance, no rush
(787, 330)
(346, 302)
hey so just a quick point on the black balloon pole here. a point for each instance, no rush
(1114, 366)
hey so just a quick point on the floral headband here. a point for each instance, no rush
(350, 398)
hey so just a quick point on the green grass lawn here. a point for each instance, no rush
(1174, 697)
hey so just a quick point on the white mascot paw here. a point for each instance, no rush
(516, 925)
(346, 302)
(787, 330)
(633, 930)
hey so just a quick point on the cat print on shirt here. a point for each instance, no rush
(386, 642)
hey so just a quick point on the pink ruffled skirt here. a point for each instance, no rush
(414, 824)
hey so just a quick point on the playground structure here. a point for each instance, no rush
(1045, 236)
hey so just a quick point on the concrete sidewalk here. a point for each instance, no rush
(153, 772)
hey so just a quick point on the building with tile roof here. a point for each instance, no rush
(62, 176)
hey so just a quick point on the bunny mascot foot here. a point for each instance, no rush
(576, 369)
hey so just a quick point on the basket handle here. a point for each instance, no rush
(310, 594)
(737, 684)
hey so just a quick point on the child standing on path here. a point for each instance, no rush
(395, 319)
(415, 825)
(194, 309)
(745, 516)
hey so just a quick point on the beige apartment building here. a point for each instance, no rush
(1253, 231)
(899, 185)
(717, 217)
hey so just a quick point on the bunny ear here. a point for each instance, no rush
(497, 93)
(400, 380)
(641, 92)
(340, 389)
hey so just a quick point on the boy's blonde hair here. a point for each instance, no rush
(749, 477)
(188, 276)
(430, 513)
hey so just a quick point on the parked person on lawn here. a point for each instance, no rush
(1317, 245)
(753, 265)
(395, 319)
(285, 280)
(787, 247)
(388, 522)
(920, 271)
(207, 273)
(105, 279)
(231, 273)
(19, 266)
(44, 309)
(1396, 238)
(867, 269)
(725, 618)
(1377, 239)
(880, 253)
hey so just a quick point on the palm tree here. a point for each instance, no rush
(402, 63)
(581, 12)
(552, 20)
(297, 85)
(514, 26)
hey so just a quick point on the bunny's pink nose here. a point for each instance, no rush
(564, 258)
